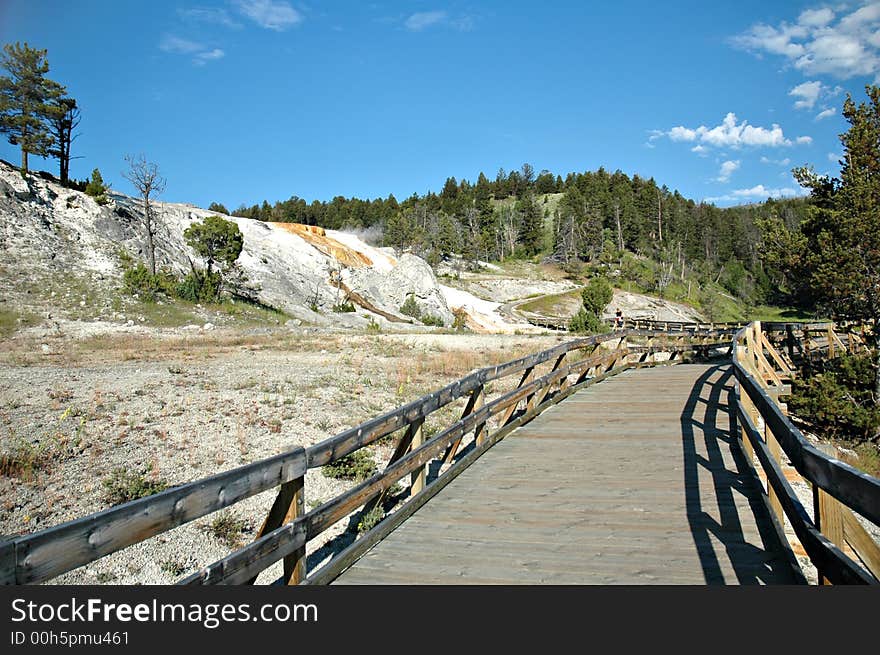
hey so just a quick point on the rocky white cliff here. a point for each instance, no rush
(49, 233)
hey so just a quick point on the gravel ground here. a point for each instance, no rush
(175, 406)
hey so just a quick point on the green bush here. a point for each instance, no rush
(97, 189)
(838, 402)
(370, 519)
(586, 323)
(199, 287)
(343, 307)
(434, 321)
(410, 308)
(358, 466)
(138, 280)
(122, 486)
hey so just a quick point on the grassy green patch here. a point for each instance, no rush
(560, 304)
(358, 466)
(11, 320)
(122, 486)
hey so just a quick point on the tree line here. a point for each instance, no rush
(580, 219)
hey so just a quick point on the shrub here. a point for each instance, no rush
(358, 466)
(22, 459)
(199, 287)
(122, 486)
(96, 188)
(138, 280)
(343, 307)
(434, 321)
(839, 401)
(227, 528)
(370, 519)
(586, 323)
(460, 321)
(411, 308)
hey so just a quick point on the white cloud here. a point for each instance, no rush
(682, 134)
(815, 44)
(757, 192)
(271, 14)
(834, 157)
(700, 150)
(804, 140)
(825, 113)
(215, 16)
(201, 54)
(729, 134)
(203, 58)
(760, 191)
(816, 17)
(727, 169)
(776, 162)
(808, 92)
(178, 45)
(420, 20)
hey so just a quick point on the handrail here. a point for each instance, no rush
(287, 528)
(834, 540)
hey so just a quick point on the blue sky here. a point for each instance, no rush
(243, 100)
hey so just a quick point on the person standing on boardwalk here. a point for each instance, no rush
(618, 319)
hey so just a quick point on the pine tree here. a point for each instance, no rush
(64, 119)
(96, 188)
(26, 101)
(531, 225)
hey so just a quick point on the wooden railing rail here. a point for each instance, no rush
(545, 378)
(834, 539)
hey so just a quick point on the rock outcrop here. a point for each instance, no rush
(46, 229)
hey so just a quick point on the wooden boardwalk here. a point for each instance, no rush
(632, 481)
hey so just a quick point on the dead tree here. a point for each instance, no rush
(149, 184)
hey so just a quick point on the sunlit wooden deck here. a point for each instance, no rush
(631, 481)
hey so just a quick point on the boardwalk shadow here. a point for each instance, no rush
(722, 538)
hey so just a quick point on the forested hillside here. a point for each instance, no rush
(649, 234)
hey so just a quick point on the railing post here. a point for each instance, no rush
(828, 514)
(288, 506)
(417, 477)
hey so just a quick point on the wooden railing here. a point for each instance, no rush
(545, 378)
(833, 537)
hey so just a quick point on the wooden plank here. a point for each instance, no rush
(826, 555)
(53, 551)
(245, 563)
(538, 508)
(861, 542)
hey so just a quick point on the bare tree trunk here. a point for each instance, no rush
(619, 231)
(151, 246)
(659, 218)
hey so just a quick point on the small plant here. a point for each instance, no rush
(411, 308)
(373, 327)
(343, 308)
(173, 567)
(122, 486)
(433, 321)
(23, 459)
(370, 519)
(357, 466)
(228, 529)
(460, 321)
